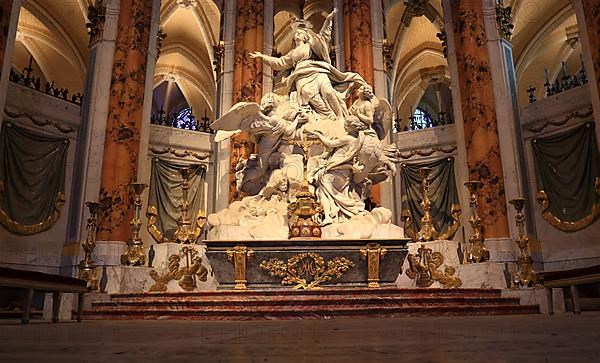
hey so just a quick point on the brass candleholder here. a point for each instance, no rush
(306, 206)
(478, 252)
(186, 233)
(135, 256)
(427, 231)
(87, 266)
(525, 275)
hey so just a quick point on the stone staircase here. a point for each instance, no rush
(307, 304)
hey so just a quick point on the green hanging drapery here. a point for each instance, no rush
(166, 195)
(445, 207)
(32, 179)
(568, 171)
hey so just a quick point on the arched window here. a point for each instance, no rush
(185, 120)
(420, 119)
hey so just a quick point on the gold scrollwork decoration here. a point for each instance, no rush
(424, 268)
(29, 229)
(307, 270)
(568, 226)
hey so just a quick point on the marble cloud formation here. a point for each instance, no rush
(346, 155)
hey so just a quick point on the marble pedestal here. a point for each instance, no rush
(486, 275)
(135, 279)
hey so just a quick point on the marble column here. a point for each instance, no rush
(91, 137)
(588, 19)
(9, 20)
(358, 51)
(247, 77)
(268, 39)
(222, 149)
(479, 114)
(125, 118)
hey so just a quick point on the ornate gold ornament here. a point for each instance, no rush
(504, 20)
(303, 211)
(424, 267)
(477, 251)
(567, 226)
(135, 256)
(239, 256)
(87, 267)
(219, 56)
(427, 231)
(186, 233)
(96, 19)
(525, 275)
(306, 270)
(373, 253)
(455, 212)
(29, 229)
(187, 275)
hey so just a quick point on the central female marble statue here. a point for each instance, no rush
(317, 82)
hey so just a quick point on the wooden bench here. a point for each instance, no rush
(31, 281)
(571, 279)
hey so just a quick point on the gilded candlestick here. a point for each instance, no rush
(87, 266)
(525, 275)
(478, 252)
(427, 231)
(135, 256)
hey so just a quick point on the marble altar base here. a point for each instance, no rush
(252, 253)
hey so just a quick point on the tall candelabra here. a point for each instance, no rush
(427, 231)
(186, 233)
(525, 275)
(135, 256)
(87, 266)
(477, 252)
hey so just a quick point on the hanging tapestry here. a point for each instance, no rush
(568, 177)
(445, 208)
(166, 195)
(32, 179)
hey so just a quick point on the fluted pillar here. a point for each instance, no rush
(247, 77)
(480, 122)
(125, 118)
(9, 19)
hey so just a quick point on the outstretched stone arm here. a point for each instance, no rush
(277, 63)
(327, 27)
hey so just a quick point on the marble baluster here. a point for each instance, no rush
(247, 77)
(9, 19)
(479, 114)
(123, 127)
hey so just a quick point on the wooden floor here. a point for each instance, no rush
(516, 338)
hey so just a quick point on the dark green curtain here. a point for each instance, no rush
(166, 192)
(442, 192)
(32, 170)
(567, 165)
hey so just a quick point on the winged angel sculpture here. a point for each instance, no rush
(348, 156)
